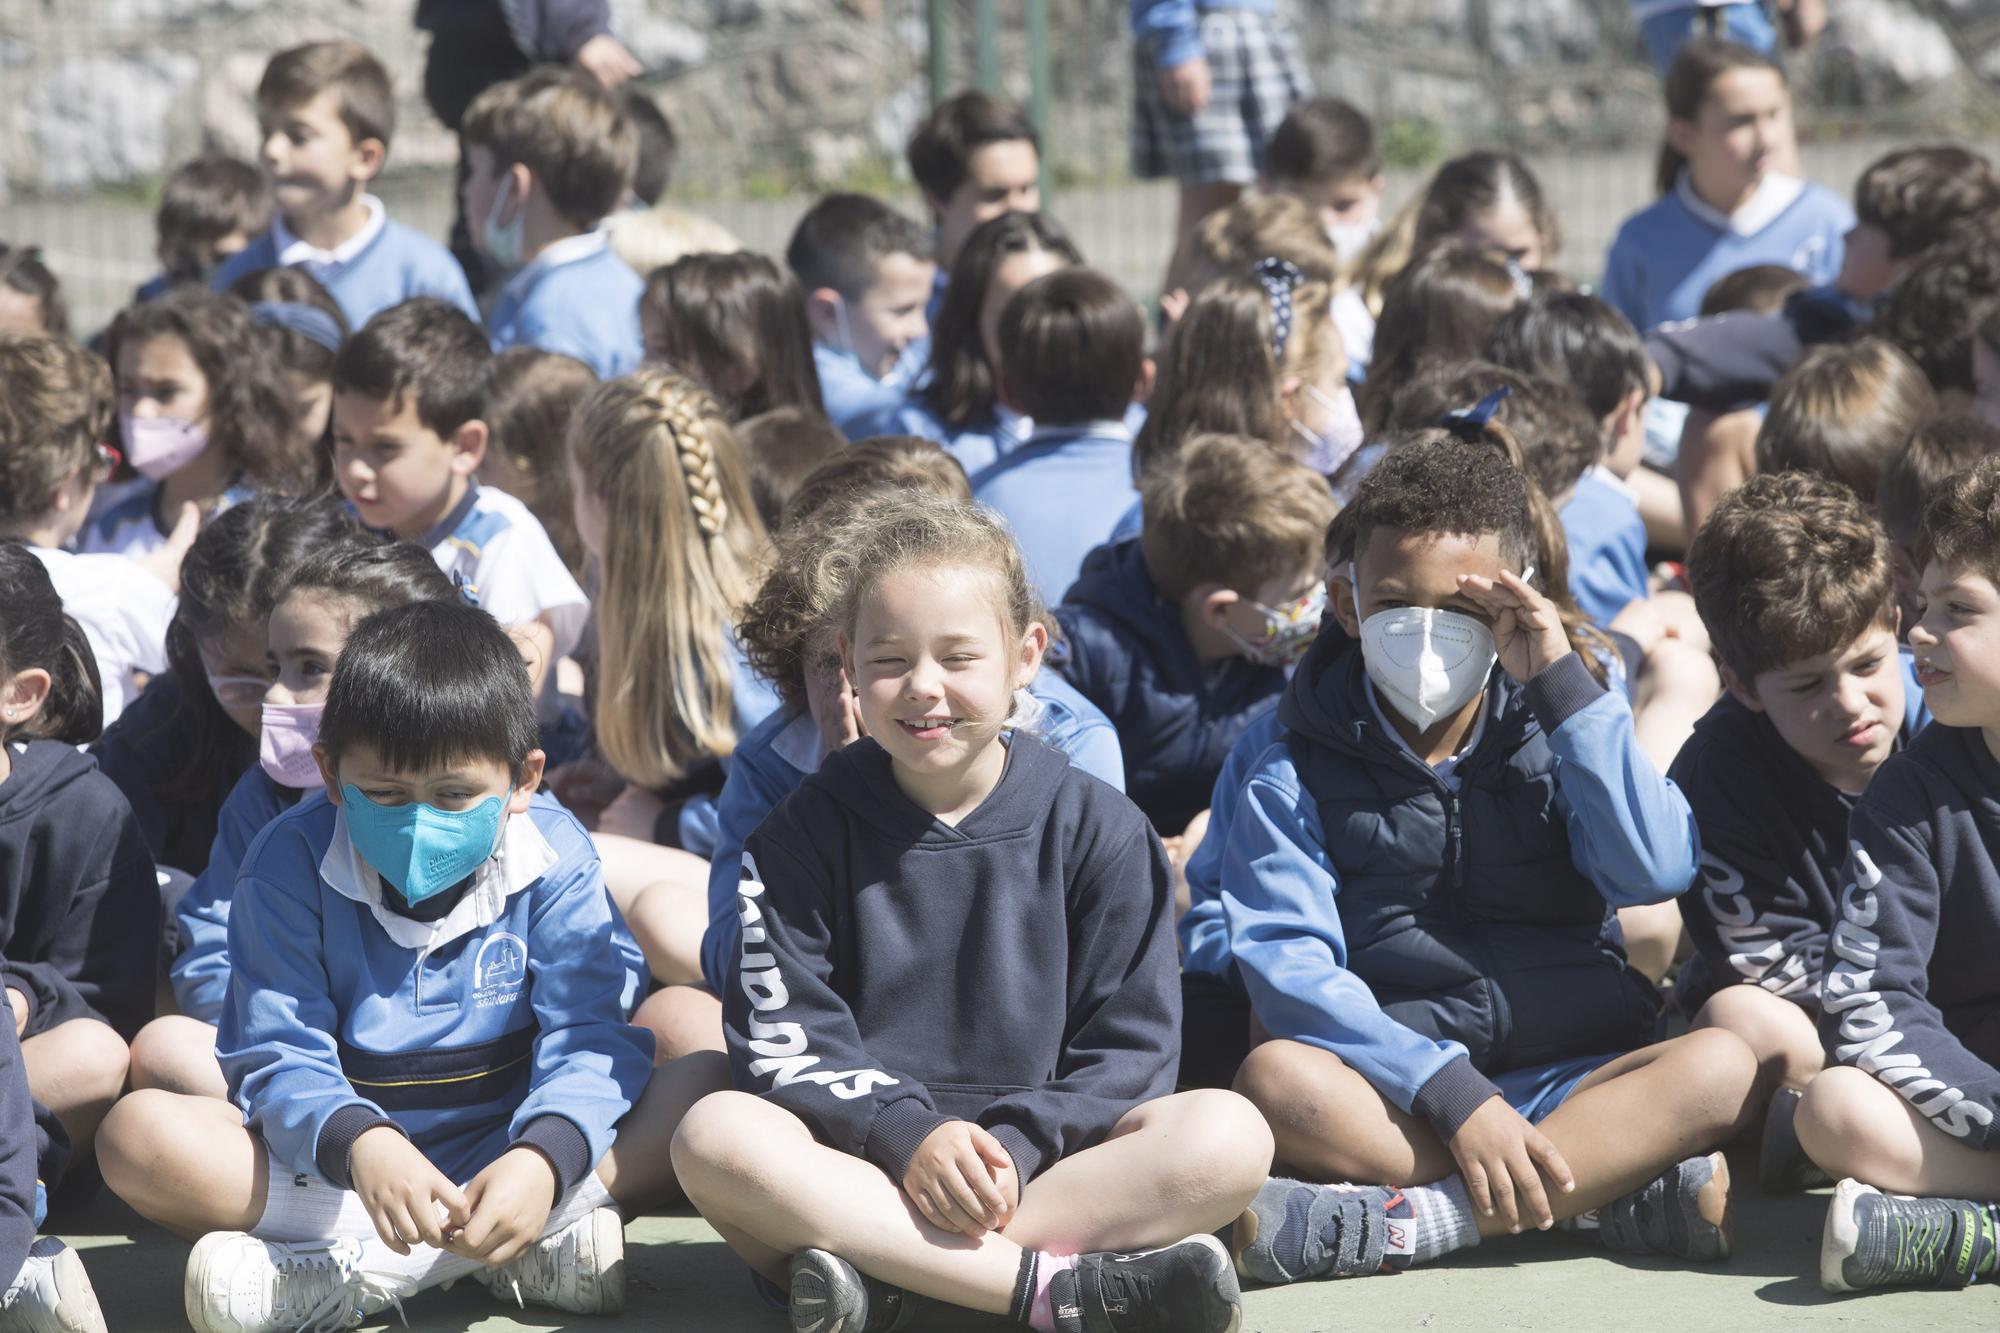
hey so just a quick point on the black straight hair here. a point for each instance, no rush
(841, 239)
(427, 685)
(35, 632)
(1071, 347)
(427, 346)
(380, 575)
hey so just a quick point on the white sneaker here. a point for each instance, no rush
(237, 1283)
(51, 1294)
(580, 1269)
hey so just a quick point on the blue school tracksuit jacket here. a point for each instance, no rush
(1125, 650)
(200, 970)
(779, 753)
(975, 445)
(576, 298)
(398, 264)
(1773, 836)
(1432, 931)
(1016, 970)
(1666, 256)
(1062, 492)
(855, 401)
(1174, 26)
(1910, 993)
(1607, 546)
(500, 1023)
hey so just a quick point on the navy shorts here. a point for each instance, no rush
(1255, 74)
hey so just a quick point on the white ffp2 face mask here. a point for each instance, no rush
(1426, 663)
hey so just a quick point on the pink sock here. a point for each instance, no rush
(1041, 1315)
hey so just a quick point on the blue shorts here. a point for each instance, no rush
(1540, 1089)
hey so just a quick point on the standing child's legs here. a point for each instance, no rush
(1196, 202)
(76, 1069)
(1183, 1164)
(177, 1054)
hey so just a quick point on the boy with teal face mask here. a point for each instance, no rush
(424, 1033)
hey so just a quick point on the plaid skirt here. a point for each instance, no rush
(1255, 74)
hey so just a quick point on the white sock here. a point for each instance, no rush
(584, 1198)
(303, 1207)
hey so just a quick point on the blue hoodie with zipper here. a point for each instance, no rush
(489, 1017)
(1435, 929)
(1125, 650)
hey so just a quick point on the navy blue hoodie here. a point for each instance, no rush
(146, 753)
(1911, 994)
(1773, 836)
(896, 973)
(33, 1148)
(79, 904)
(1125, 650)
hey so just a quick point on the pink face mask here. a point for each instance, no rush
(158, 447)
(284, 746)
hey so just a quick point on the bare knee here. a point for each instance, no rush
(1219, 1139)
(1779, 1033)
(175, 1053)
(1840, 1119)
(714, 1149)
(683, 1020)
(85, 1057)
(130, 1139)
(1300, 1091)
(1716, 1076)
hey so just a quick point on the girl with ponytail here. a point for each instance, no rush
(663, 506)
(79, 907)
(1730, 194)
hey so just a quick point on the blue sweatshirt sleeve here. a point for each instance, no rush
(1204, 935)
(200, 971)
(1631, 832)
(589, 1064)
(1876, 1013)
(1171, 27)
(752, 790)
(1280, 901)
(276, 1039)
(1124, 1010)
(791, 1036)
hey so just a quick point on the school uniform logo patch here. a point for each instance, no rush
(499, 970)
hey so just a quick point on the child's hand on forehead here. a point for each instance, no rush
(1527, 629)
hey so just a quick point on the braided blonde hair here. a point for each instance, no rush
(682, 546)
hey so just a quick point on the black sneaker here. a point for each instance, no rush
(1186, 1287)
(1886, 1240)
(1682, 1213)
(1782, 1165)
(830, 1295)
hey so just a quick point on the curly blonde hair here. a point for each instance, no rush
(683, 542)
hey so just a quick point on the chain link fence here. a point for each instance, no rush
(775, 100)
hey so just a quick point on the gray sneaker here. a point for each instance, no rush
(830, 1295)
(1682, 1213)
(1874, 1239)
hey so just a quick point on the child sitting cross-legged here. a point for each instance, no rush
(1001, 1133)
(1419, 886)
(424, 1031)
(1794, 580)
(1905, 1109)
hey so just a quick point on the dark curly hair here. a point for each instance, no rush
(1961, 527)
(1788, 566)
(1920, 196)
(1941, 304)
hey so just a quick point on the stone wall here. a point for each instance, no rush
(770, 95)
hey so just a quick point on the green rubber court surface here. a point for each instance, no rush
(680, 1276)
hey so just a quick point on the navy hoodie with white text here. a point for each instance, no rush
(1017, 970)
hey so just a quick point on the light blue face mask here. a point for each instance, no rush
(419, 848)
(504, 240)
